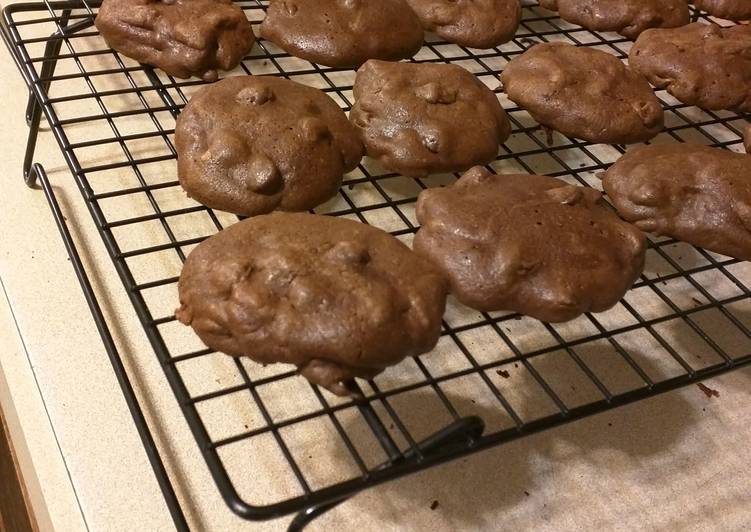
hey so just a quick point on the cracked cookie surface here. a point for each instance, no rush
(700, 64)
(337, 298)
(726, 9)
(584, 93)
(343, 33)
(627, 17)
(530, 244)
(471, 23)
(182, 37)
(423, 118)
(690, 192)
(253, 144)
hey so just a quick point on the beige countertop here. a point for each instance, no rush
(675, 462)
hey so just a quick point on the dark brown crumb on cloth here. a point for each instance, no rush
(434, 505)
(709, 392)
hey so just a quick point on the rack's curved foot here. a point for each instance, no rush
(30, 176)
(462, 432)
(30, 108)
(305, 517)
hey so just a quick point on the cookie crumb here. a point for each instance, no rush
(434, 505)
(526, 493)
(709, 392)
(503, 373)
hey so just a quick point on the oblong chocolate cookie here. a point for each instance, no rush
(747, 139)
(472, 23)
(252, 144)
(182, 37)
(337, 298)
(726, 9)
(422, 118)
(584, 93)
(627, 17)
(343, 33)
(527, 243)
(694, 193)
(700, 64)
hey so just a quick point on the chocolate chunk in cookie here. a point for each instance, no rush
(182, 37)
(472, 23)
(252, 144)
(627, 17)
(528, 243)
(694, 193)
(699, 64)
(337, 298)
(584, 93)
(343, 33)
(726, 9)
(422, 118)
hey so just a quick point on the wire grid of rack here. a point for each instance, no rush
(493, 377)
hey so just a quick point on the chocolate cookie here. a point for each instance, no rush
(472, 23)
(700, 64)
(343, 33)
(584, 93)
(252, 144)
(627, 17)
(528, 243)
(422, 118)
(182, 37)
(694, 193)
(337, 298)
(726, 9)
(747, 142)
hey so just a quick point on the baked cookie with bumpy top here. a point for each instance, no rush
(343, 33)
(726, 9)
(182, 37)
(423, 118)
(472, 23)
(252, 144)
(627, 17)
(584, 93)
(700, 64)
(693, 193)
(337, 298)
(528, 243)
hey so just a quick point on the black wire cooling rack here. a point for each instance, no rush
(493, 377)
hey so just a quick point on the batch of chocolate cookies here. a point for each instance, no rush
(341, 299)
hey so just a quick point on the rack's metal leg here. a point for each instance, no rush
(29, 175)
(462, 432)
(33, 109)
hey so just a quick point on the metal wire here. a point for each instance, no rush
(519, 375)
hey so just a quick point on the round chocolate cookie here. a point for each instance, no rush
(182, 37)
(726, 9)
(337, 298)
(627, 17)
(422, 118)
(694, 193)
(700, 64)
(527, 243)
(584, 93)
(343, 33)
(472, 23)
(252, 144)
